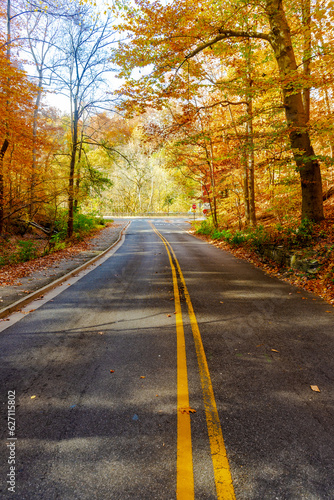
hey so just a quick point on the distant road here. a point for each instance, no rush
(171, 370)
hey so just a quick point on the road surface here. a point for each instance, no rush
(171, 370)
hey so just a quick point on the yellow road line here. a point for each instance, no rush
(184, 465)
(223, 478)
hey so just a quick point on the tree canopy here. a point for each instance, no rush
(220, 102)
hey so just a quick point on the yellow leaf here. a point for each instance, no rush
(315, 388)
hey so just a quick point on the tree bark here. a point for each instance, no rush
(246, 185)
(306, 17)
(34, 138)
(250, 162)
(2, 154)
(71, 175)
(308, 166)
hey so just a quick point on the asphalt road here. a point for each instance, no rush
(96, 374)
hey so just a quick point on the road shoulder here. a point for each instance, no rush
(35, 276)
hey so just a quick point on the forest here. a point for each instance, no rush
(216, 102)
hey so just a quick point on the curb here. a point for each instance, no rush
(24, 301)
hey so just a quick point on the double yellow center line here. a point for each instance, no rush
(185, 476)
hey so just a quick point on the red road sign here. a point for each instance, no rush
(194, 206)
(205, 211)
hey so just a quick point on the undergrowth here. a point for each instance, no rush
(14, 250)
(257, 238)
(307, 246)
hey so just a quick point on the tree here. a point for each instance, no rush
(173, 36)
(16, 105)
(83, 65)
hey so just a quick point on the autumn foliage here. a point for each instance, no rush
(247, 89)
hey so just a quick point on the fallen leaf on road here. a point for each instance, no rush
(187, 410)
(112, 371)
(315, 388)
(100, 333)
(275, 350)
(32, 397)
(142, 376)
(168, 315)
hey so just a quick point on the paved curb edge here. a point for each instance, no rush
(22, 302)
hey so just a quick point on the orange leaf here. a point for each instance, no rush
(187, 410)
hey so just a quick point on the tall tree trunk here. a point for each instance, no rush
(245, 184)
(151, 194)
(245, 176)
(34, 138)
(2, 154)
(71, 175)
(78, 180)
(307, 49)
(308, 166)
(250, 162)
(5, 143)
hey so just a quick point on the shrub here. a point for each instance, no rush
(304, 232)
(204, 228)
(258, 237)
(217, 235)
(83, 223)
(99, 221)
(238, 238)
(26, 250)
